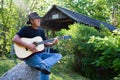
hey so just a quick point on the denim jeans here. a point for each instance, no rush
(49, 59)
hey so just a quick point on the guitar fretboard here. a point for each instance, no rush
(50, 40)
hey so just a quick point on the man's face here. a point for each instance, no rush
(35, 22)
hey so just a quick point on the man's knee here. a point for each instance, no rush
(57, 55)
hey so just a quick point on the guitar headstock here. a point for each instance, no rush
(67, 37)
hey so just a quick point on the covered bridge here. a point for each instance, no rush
(58, 18)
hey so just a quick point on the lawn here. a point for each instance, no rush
(59, 71)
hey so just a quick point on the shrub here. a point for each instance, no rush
(96, 54)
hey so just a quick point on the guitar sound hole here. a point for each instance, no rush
(26, 49)
(35, 43)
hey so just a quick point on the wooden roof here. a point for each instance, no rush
(58, 18)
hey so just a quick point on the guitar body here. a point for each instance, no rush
(23, 52)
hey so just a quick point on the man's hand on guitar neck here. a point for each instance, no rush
(49, 44)
(55, 41)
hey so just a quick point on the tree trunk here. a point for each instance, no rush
(21, 72)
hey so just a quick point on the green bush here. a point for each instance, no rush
(93, 53)
(110, 51)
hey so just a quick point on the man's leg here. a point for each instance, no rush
(44, 58)
(34, 61)
(50, 58)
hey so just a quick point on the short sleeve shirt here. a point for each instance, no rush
(29, 32)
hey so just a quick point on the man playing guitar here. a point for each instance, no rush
(43, 61)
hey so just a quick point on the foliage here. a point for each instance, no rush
(96, 54)
(7, 22)
(109, 50)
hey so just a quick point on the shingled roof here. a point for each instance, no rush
(57, 18)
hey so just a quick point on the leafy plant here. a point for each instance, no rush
(109, 47)
(96, 54)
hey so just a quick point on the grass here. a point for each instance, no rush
(59, 71)
(6, 64)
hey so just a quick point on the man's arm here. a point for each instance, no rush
(18, 41)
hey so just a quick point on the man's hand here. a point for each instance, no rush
(49, 44)
(32, 48)
(55, 41)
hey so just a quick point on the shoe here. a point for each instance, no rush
(43, 69)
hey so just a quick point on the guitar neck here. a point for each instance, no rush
(50, 40)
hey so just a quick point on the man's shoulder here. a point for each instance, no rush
(25, 28)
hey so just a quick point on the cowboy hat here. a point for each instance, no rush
(33, 15)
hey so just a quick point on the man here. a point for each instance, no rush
(42, 61)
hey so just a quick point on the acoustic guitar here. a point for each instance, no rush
(23, 52)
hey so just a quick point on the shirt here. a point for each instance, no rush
(29, 32)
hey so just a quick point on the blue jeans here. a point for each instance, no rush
(49, 59)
